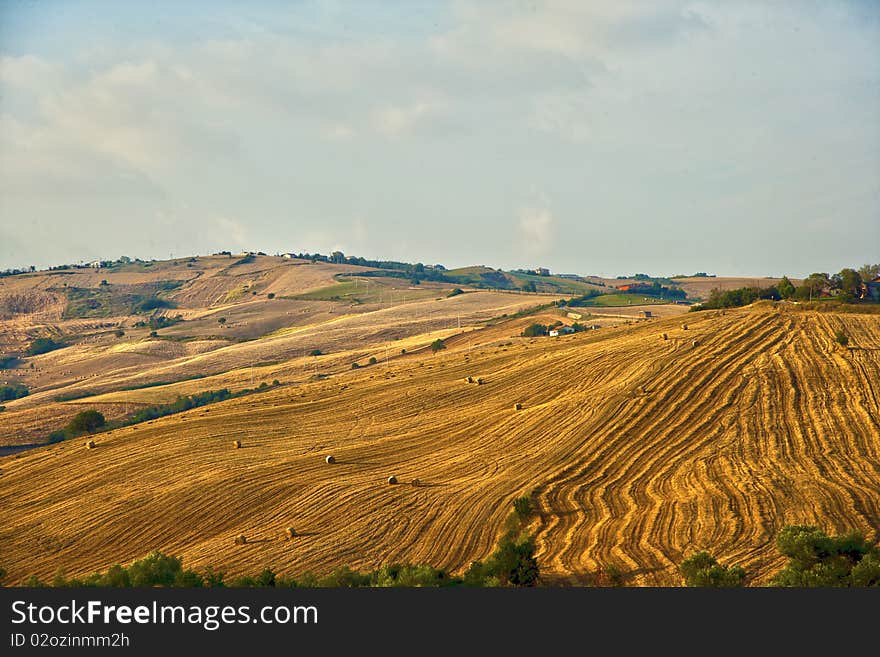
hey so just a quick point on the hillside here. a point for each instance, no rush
(637, 451)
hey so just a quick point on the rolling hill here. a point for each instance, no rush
(636, 450)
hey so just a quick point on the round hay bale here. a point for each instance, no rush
(330, 459)
(479, 381)
(290, 532)
(517, 406)
(91, 444)
(470, 379)
(416, 482)
(664, 336)
(241, 539)
(392, 479)
(684, 327)
(236, 444)
(695, 343)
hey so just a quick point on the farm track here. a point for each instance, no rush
(637, 451)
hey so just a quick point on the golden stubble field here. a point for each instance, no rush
(637, 450)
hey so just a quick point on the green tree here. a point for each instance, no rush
(221, 320)
(818, 560)
(535, 330)
(86, 421)
(529, 286)
(850, 284)
(315, 352)
(785, 287)
(702, 569)
(437, 345)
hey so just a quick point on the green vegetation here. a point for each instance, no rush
(182, 403)
(620, 299)
(735, 298)
(373, 360)
(43, 346)
(455, 292)
(86, 422)
(841, 338)
(315, 352)
(819, 560)
(13, 391)
(113, 300)
(535, 330)
(702, 569)
(9, 362)
(437, 345)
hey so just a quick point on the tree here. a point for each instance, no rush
(702, 569)
(535, 330)
(221, 320)
(814, 286)
(337, 257)
(315, 352)
(86, 422)
(850, 285)
(818, 560)
(869, 272)
(372, 360)
(529, 286)
(785, 287)
(437, 345)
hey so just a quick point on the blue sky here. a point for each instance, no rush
(738, 138)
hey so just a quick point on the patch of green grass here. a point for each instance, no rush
(622, 300)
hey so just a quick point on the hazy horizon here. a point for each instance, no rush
(665, 137)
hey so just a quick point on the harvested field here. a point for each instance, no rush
(637, 451)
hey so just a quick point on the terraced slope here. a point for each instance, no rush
(637, 450)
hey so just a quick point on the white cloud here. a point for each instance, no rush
(536, 230)
(395, 121)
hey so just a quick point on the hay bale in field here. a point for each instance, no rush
(91, 444)
(695, 344)
(241, 539)
(416, 482)
(236, 444)
(517, 406)
(330, 459)
(469, 379)
(479, 381)
(392, 479)
(290, 532)
(684, 327)
(664, 336)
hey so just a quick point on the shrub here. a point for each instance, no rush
(9, 362)
(276, 382)
(315, 352)
(86, 421)
(221, 320)
(523, 507)
(153, 334)
(841, 338)
(43, 346)
(355, 366)
(119, 333)
(455, 292)
(57, 436)
(372, 360)
(13, 391)
(271, 295)
(702, 569)
(819, 560)
(437, 345)
(2, 408)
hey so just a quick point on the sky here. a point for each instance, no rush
(608, 138)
